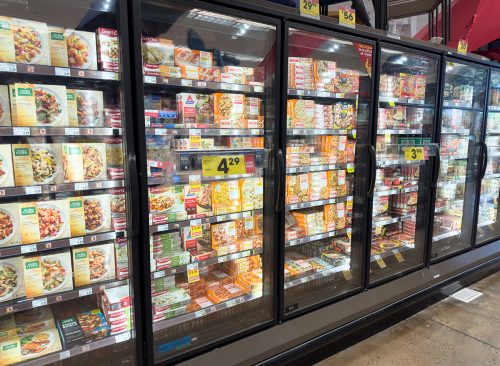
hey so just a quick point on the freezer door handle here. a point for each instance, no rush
(280, 196)
(437, 167)
(134, 187)
(373, 170)
(484, 151)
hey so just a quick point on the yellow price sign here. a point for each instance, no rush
(380, 261)
(414, 153)
(392, 104)
(347, 274)
(378, 230)
(387, 137)
(399, 256)
(309, 8)
(195, 142)
(213, 165)
(462, 46)
(193, 272)
(347, 17)
(196, 231)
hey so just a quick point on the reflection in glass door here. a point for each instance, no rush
(406, 108)
(461, 123)
(488, 224)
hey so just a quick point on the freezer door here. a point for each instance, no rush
(404, 153)
(327, 122)
(488, 225)
(461, 124)
(66, 293)
(209, 123)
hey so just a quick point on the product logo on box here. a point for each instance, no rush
(26, 92)
(74, 150)
(28, 211)
(21, 152)
(189, 100)
(75, 204)
(57, 36)
(32, 265)
(70, 96)
(5, 25)
(81, 255)
(9, 346)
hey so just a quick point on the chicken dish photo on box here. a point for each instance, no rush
(6, 167)
(90, 108)
(82, 53)
(5, 119)
(37, 344)
(47, 274)
(93, 264)
(157, 53)
(53, 219)
(37, 164)
(11, 279)
(108, 52)
(31, 41)
(97, 213)
(94, 161)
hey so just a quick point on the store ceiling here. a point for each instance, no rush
(405, 8)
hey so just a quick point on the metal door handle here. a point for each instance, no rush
(373, 170)
(280, 197)
(437, 166)
(134, 187)
(485, 158)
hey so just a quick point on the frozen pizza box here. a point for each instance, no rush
(229, 110)
(31, 42)
(90, 107)
(53, 219)
(198, 202)
(47, 274)
(97, 213)
(6, 170)
(226, 197)
(157, 53)
(108, 49)
(58, 47)
(93, 264)
(82, 52)
(37, 164)
(11, 277)
(7, 47)
(5, 119)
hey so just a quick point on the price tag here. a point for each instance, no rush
(414, 153)
(195, 142)
(380, 261)
(398, 256)
(258, 89)
(39, 302)
(75, 241)
(62, 71)
(347, 17)
(350, 168)
(33, 190)
(391, 103)
(223, 165)
(200, 313)
(196, 231)
(158, 274)
(347, 274)
(462, 46)
(222, 259)
(194, 132)
(185, 82)
(202, 84)
(81, 186)
(72, 131)
(225, 86)
(85, 292)
(349, 205)
(193, 272)
(63, 355)
(354, 134)
(378, 230)
(8, 67)
(21, 131)
(150, 79)
(122, 337)
(28, 248)
(387, 137)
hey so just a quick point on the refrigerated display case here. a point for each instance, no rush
(406, 109)
(328, 96)
(463, 100)
(488, 225)
(209, 123)
(65, 292)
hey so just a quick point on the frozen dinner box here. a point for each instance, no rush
(5, 118)
(6, 169)
(157, 55)
(82, 53)
(93, 264)
(58, 47)
(37, 164)
(11, 279)
(31, 42)
(90, 107)
(108, 52)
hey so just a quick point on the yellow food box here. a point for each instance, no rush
(28, 217)
(10, 350)
(318, 186)
(93, 264)
(31, 41)
(72, 107)
(58, 47)
(12, 268)
(223, 234)
(5, 118)
(229, 110)
(72, 162)
(76, 216)
(7, 48)
(226, 197)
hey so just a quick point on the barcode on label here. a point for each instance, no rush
(62, 71)
(85, 292)
(28, 248)
(39, 302)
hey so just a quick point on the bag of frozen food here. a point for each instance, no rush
(53, 219)
(58, 47)
(93, 264)
(229, 110)
(11, 278)
(31, 40)
(89, 108)
(5, 118)
(108, 52)
(156, 54)
(47, 274)
(97, 213)
(82, 53)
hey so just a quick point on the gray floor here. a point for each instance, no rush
(450, 332)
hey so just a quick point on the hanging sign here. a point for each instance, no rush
(347, 17)
(223, 165)
(414, 153)
(309, 8)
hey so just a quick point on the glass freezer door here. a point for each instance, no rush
(209, 107)
(406, 109)
(461, 126)
(488, 224)
(329, 84)
(65, 293)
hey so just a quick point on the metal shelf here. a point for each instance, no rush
(392, 220)
(57, 188)
(491, 176)
(319, 203)
(196, 84)
(317, 275)
(455, 131)
(180, 179)
(43, 70)
(390, 252)
(57, 244)
(446, 235)
(455, 105)
(405, 101)
(309, 239)
(205, 220)
(20, 305)
(321, 94)
(449, 206)
(206, 263)
(402, 131)
(393, 191)
(400, 161)
(319, 131)
(450, 158)
(164, 324)
(205, 131)
(320, 168)
(60, 131)
(493, 108)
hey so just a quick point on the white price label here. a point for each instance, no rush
(192, 266)
(230, 303)
(160, 131)
(202, 84)
(81, 186)
(72, 131)
(28, 248)
(8, 67)
(194, 132)
(246, 253)
(222, 218)
(200, 313)
(235, 87)
(162, 227)
(39, 302)
(293, 242)
(255, 131)
(33, 190)
(222, 259)
(258, 89)
(122, 337)
(292, 170)
(247, 214)
(195, 222)
(63, 355)
(62, 71)
(185, 82)
(76, 241)
(21, 131)
(300, 92)
(150, 79)
(225, 86)
(85, 292)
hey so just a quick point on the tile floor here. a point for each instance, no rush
(449, 333)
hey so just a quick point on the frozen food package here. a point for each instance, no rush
(226, 197)
(157, 53)
(121, 256)
(7, 47)
(5, 118)
(209, 73)
(11, 278)
(82, 50)
(195, 109)
(300, 113)
(93, 264)
(185, 56)
(6, 166)
(37, 344)
(198, 201)
(114, 151)
(223, 233)
(344, 115)
(94, 161)
(72, 107)
(324, 74)
(108, 51)
(347, 81)
(190, 72)
(229, 110)
(37, 164)
(47, 274)
(97, 213)
(31, 41)
(33, 320)
(53, 219)
(72, 157)
(58, 47)
(90, 107)
(199, 240)
(29, 227)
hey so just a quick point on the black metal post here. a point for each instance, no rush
(381, 14)
(444, 20)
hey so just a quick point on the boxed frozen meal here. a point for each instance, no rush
(300, 113)
(47, 274)
(37, 164)
(297, 188)
(344, 115)
(223, 234)
(83, 327)
(108, 52)
(229, 110)
(114, 151)
(93, 264)
(82, 53)
(11, 278)
(165, 199)
(5, 119)
(76, 216)
(53, 219)
(232, 78)
(195, 109)
(224, 293)
(97, 213)
(29, 227)
(169, 300)
(190, 72)
(38, 105)
(89, 108)
(39, 343)
(34, 320)
(58, 47)
(226, 197)
(198, 201)
(31, 41)
(7, 48)
(184, 56)
(84, 162)
(118, 201)
(72, 107)
(121, 256)
(209, 73)
(197, 240)
(6, 170)
(324, 74)
(347, 81)
(157, 53)
(318, 186)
